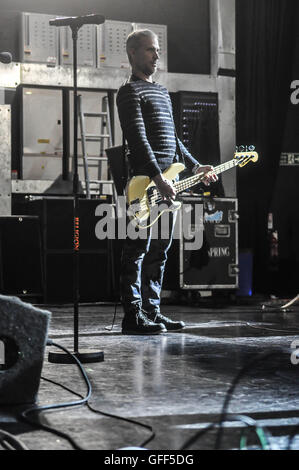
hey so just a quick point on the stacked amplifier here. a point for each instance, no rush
(98, 46)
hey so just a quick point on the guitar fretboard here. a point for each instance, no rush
(153, 197)
(193, 180)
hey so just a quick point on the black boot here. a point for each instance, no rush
(167, 322)
(136, 322)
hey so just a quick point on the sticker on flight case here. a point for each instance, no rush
(216, 217)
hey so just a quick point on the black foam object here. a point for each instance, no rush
(118, 168)
(23, 336)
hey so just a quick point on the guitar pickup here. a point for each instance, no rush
(134, 207)
(153, 196)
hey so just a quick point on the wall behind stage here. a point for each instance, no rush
(188, 23)
(285, 203)
(291, 134)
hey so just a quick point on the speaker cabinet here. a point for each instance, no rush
(95, 256)
(196, 115)
(23, 336)
(21, 256)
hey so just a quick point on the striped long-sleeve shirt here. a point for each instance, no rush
(145, 114)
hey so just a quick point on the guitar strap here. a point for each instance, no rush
(127, 170)
(178, 148)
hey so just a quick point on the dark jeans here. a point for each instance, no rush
(142, 267)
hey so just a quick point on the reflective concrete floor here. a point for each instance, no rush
(175, 382)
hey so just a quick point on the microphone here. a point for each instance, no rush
(5, 57)
(77, 20)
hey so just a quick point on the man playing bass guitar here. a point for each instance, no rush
(145, 114)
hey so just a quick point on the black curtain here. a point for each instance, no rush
(265, 37)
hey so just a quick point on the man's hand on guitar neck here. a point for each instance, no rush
(165, 187)
(209, 174)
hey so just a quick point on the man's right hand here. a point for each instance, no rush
(165, 187)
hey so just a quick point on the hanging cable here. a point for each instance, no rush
(114, 317)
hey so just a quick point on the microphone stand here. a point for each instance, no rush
(90, 355)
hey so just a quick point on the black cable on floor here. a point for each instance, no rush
(229, 394)
(292, 437)
(246, 420)
(25, 415)
(197, 436)
(223, 418)
(109, 415)
(11, 442)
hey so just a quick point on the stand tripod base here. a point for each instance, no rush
(85, 357)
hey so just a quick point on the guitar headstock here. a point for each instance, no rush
(246, 154)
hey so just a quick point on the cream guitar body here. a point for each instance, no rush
(142, 195)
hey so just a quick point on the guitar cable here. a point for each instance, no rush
(114, 317)
(25, 415)
(11, 442)
(262, 433)
(84, 400)
(109, 415)
(246, 368)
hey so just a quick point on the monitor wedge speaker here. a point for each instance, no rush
(23, 337)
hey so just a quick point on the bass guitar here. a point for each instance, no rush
(142, 193)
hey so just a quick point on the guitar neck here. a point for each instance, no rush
(193, 180)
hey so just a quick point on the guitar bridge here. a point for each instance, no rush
(153, 196)
(134, 207)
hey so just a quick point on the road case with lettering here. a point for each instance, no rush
(204, 252)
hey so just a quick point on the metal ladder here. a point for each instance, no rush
(96, 186)
(105, 137)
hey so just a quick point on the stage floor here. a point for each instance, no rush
(174, 382)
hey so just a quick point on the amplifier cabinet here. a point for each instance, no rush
(111, 44)
(96, 279)
(86, 46)
(39, 42)
(204, 254)
(20, 256)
